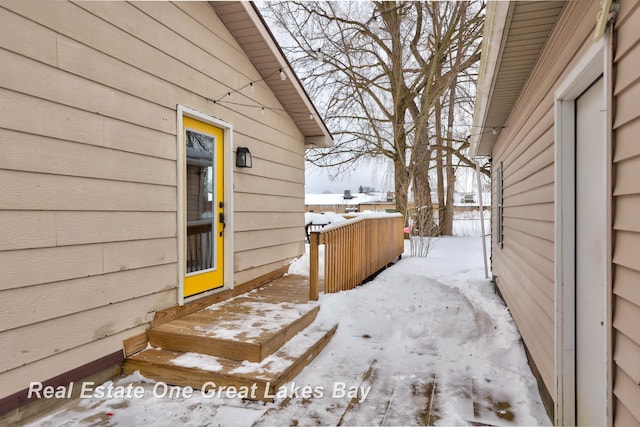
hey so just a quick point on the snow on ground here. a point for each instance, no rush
(468, 223)
(424, 321)
(338, 199)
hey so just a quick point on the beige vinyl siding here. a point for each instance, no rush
(88, 197)
(626, 207)
(51, 300)
(524, 266)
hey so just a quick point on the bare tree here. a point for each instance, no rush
(379, 70)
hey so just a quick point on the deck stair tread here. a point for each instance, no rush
(196, 369)
(248, 327)
(261, 339)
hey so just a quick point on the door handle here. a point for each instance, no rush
(221, 221)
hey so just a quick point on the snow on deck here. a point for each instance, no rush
(426, 342)
(251, 320)
(268, 369)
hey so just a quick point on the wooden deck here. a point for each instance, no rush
(354, 250)
(260, 339)
(393, 400)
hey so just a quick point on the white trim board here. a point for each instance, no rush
(593, 65)
(228, 201)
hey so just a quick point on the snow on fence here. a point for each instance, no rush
(354, 250)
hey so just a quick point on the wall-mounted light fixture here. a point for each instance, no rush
(243, 157)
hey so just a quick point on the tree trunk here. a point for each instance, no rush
(401, 176)
(442, 215)
(447, 226)
(422, 187)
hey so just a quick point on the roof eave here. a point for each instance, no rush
(498, 15)
(318, 134)
(318, 141)
(324, 140)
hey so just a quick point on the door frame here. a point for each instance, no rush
(227, 129)
(595, 63)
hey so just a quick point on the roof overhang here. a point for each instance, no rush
(247, 26)
(515, 34)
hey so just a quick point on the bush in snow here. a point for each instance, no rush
(422, 228)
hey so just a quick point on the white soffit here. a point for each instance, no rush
(514, 36)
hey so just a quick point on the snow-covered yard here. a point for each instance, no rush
(427, 341)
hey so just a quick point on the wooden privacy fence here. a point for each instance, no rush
(354, 250)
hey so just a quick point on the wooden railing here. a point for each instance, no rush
(354, 250)
(199, 246)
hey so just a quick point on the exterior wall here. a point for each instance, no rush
(626, 209)
(524, 265)
(88, 220)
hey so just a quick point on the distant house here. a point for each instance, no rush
(347, 202)
(126, 130)
(376, 202)
(558, 110)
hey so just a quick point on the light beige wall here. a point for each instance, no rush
(524, 266)
(88, 95)
(626, 208)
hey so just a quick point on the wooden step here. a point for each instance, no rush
(195, 369)
(244, 328)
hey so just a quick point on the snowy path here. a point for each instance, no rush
(426, 342)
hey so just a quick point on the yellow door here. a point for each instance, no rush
(203, 229)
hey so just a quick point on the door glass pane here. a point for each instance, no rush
(200, 201)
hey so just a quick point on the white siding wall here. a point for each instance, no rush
(88, 93)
